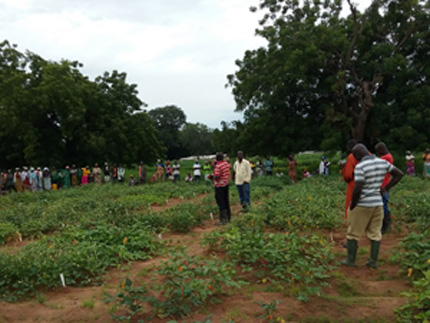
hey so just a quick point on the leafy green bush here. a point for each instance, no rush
(7, 231)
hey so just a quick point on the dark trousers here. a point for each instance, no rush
(221, 197)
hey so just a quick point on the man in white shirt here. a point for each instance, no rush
(196, 170)
(242, 178)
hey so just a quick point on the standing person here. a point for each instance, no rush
(207, 170)
(86, 172)
(9, 181)
(97, 174)
(121, 173)
(253, 167)
(39, 179)
(80, 175)
(220, 178)
(242, 179)
(348, 173)
(365, 212)
(54, 178)
(426, 158)
(197, 170)
(292, 164)
(410, 163)
(66, 177)
(46, 179)
(269, 164)
(17, 180)
(142, 173)
(114, 173)
(382, 151)
(32, 177)
(74, 175)
(25, 179)
(107, 172)
(260, 168)
(169, 171)
(176, 172)
(160, 170)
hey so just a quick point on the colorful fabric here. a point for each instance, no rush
(389, 158)
(371, 171)
(222, 171)
(348, 177)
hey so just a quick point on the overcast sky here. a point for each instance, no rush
(178, 52)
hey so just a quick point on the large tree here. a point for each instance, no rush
(169, 120)
(197, 139)
(324, 77)
(51, 114)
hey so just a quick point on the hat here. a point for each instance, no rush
(67, 167)
(32, 169)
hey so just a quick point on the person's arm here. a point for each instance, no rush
(397, 175)
(358, 187)
(248, 174)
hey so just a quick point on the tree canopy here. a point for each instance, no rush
(51, 114)
(324, 77)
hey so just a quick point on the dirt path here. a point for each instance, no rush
(353, 294)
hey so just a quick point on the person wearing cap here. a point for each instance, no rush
(46, 179)
(97, 174)
(410, 163)
(32, 178)
(365, 213)
(197, 173)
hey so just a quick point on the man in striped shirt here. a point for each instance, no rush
(220, 177)
(365, 211)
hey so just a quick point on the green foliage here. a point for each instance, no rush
(190, 282)
(53, 115)
(413, 253)
(357, 76)
(418, 309)
(7, 231)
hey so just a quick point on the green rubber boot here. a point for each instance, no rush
(351, 245)
(374, 252)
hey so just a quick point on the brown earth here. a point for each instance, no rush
(353, 294)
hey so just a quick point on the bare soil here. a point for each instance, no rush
(354, 294)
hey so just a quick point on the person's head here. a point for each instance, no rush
(359, 151)
(219, 156)
(207, 162)
(427, 151)
(131, 176)
(196, 160)
(408, 152)
(141, 162)
(73, 166)
(95, 165)
(106, 163)
(88, 166)
(176, 162)
(291, 157)
(381, 148)
(267, 157)
(350, 144)
(305, 170)
(67, 167)
(240, 155)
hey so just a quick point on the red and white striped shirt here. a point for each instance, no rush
(222, 170)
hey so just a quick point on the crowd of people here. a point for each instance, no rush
(35, 179)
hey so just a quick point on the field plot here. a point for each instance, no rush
(153, 253)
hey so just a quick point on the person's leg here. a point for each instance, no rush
(358, 220)
(241, 194)
(227, 204)
(247, 194)
(385, 225)
(374, 235)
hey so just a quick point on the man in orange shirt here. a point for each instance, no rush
(348, 173)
